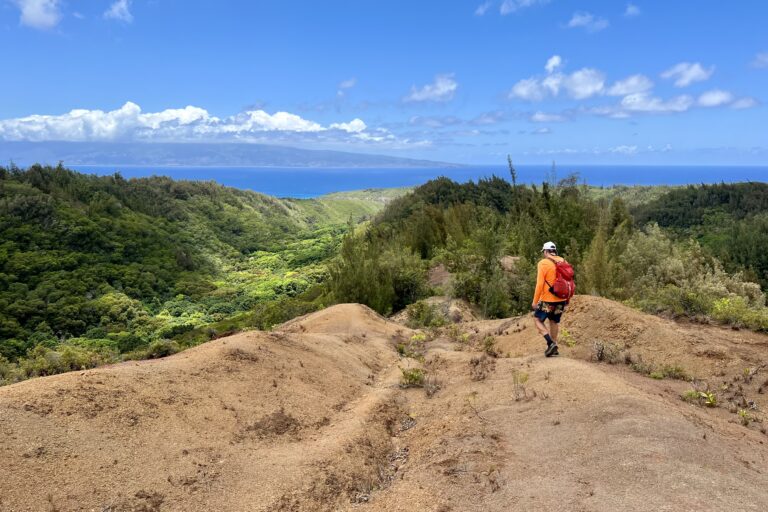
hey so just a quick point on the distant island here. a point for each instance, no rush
(196, 154)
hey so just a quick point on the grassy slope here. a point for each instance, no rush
(108, 266)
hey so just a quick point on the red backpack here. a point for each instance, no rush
(563, 287)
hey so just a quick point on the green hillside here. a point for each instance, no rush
(102, 266)
(682, 252)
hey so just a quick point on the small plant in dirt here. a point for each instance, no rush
(414, 348)
(470, 400)
(423, 315)
(412, 378)
(708, 398)
(674, 372)
(605, 352)
(744, 417)
(690, 396)
(480, 367)
(640, 366)
(489, 346)
(432, 385)
(567, 338)
(519, 380)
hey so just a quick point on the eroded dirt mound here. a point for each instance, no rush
(256, 421)
(312, 417)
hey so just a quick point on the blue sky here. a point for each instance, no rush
(582, 81)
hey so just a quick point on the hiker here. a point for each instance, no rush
(554, 288)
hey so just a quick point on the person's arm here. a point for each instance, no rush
(539, 284)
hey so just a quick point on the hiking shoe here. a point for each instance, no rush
(551, 350)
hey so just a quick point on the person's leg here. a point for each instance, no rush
(540, 326)
(554, 329)
(539, 318)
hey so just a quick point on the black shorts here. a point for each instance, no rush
(551, 311)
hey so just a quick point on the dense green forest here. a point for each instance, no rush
(94, 267)
(101, 269)
(657, 256)
(729, 220)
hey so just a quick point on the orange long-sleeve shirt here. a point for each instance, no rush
(546, 274)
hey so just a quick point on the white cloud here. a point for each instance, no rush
(760, 60)
(630, 85)
(685, 73)
(434, 122)
(129, 123)
(510, 6)
(632, 11)
(584, 83)
(623, 149)
(746, 102)
(344, 85)
(41, 14)
(588, 21)
(541, 131)
(553, 63)
(644, 102)
(442, 89)
(580, 84)
(544, 117)
(120, 10)
(354, 126)
(482, 8)
(715, 98)
(529, 89)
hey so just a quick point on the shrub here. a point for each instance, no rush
(690, 396)
(161, 348)
(42, 361)
(605, 352)
(489, 346)
(412, 378)
(424, 315)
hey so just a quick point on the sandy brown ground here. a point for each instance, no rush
(310, 417)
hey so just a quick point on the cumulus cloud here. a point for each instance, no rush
(434, 122)
(442, 89)
(686, 73)
(644, 102)
(715, 98)
(544, 117)
(129, 123)
(580, 84)
(588, 22)
(760, 60)
(510, 6)
(354, 126)
(623, 149)
(553, 63)
(40, 14)
(631, 11)
(630, 85)
(120, 10)
(746, 102)
(345, 85)
(482, 8)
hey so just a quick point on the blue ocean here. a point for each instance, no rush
(313, 182)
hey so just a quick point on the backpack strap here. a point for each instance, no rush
(555, 263)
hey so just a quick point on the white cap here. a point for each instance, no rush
(549, 246)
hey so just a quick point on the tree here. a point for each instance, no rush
(512, 171)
